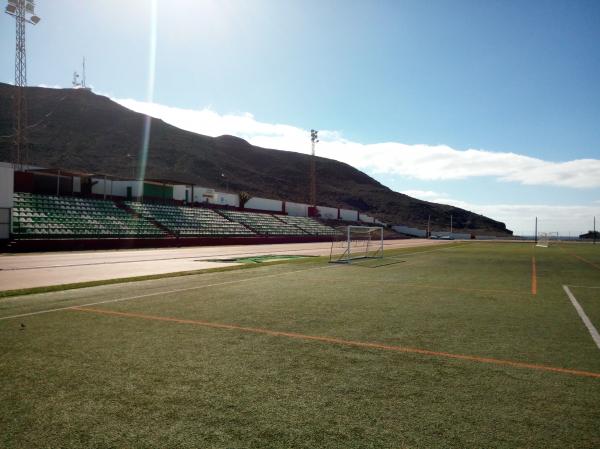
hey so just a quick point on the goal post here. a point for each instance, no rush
(544, 238)
(356, 242)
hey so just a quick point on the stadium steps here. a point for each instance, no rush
(279, 217)
(308, 225)
(264, 224)
(158, 224)
(184, 221)
(219, 211)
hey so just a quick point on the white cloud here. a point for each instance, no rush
(573, 220)
(520, 218)
(54, 86)
(426, 195)
(423, 162)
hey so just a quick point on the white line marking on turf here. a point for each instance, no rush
(583, 316)
(168, 292)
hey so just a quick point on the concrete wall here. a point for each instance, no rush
(6, 198)
(4, 223)
(348, 215)
(227, 199)
(264, 204)
(7, 183)
(99, 187)
(328, 212)
(204, 194)
(179, 192)
(296, 209)
(76, 184)
(119, 188)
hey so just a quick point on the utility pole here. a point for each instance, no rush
(428, 227)
(535, 237)
(594, 230)
(24, 12)
(223, 176)
(314, 138)
(450, 223)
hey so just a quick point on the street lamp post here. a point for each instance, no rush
(24, 12)
(314, 139)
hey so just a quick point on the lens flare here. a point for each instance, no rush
(143, 154)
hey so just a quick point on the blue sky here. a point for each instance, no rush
(414, 84)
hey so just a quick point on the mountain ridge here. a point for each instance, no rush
(79, 130)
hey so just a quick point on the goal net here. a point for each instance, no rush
(356, 242)
(544, 238)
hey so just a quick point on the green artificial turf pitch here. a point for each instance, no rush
(308, 354)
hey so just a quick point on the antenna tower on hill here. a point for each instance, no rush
(77, 84)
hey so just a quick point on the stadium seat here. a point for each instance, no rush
(264, 224)
(48, 216)
(308, 225)
(190, 221)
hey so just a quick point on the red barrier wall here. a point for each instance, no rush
(29, 245)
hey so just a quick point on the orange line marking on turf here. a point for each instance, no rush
(533, 277)
(596, 266)
(339, 341)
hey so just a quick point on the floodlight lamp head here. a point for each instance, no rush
(34, 20)
(10, 9)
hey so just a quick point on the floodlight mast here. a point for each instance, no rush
(24, 12)
(314, 138)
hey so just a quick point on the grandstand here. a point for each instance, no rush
(37, 216)
(189, 221)
(47, 216)
(308, 225)
(264, 224)
(56, 209)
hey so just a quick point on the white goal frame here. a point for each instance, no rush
(544, 238)
(356, 242)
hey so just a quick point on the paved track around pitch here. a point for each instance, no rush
(48, 269)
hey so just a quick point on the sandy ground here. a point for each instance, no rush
(45, 269)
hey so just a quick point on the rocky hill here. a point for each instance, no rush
(78, 130)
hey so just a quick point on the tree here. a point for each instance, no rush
(244, 197)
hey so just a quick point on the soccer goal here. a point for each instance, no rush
(356, 242)
(544, 238)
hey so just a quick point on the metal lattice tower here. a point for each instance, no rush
(24, 12)
(313, 168)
